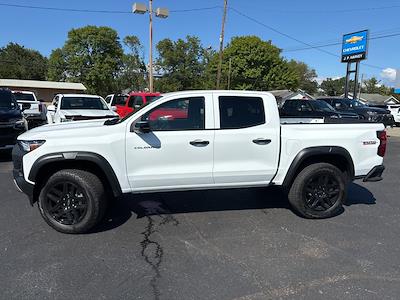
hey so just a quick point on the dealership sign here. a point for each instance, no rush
(354, 46)
(397, 84)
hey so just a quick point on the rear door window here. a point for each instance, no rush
(241, 112)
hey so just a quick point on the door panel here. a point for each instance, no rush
(178, 152)
(246, 147)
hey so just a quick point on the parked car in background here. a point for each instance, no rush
(126, 104)
(365, 112)
(33, 110)
(312, 108)
(116, 99)
(12, 121)
(77, 107)
(394, 110)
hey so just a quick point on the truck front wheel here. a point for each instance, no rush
(318, 191)
(72, 201)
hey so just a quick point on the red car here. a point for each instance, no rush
(126, 104)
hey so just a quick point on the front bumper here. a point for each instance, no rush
(18, 174)
(375, 174)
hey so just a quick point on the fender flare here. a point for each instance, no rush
(95, 158)
(316, 151)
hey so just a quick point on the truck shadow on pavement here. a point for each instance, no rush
(165, 204)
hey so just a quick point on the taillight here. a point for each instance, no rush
(383, 141)
(40, 107)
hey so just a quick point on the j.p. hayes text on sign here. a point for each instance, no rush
(354, 46)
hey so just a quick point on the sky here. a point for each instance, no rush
(290, 24)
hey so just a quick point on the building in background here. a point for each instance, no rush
(283, 95)
(375, 99)
(44, 90)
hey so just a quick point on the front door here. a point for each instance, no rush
(178, 151)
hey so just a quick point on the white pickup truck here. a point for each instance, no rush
(193, 140)
(34, 111)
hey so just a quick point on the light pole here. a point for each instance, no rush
(139, 8)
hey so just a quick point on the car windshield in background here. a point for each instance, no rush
(318, 105)
(83, 103)
(120, 100)
(151, 98)
(24, 97)
(5, 100)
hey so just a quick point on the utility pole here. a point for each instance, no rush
(221, 45)
(151, 46)
(229, 73)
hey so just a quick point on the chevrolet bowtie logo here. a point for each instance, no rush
(354, 39)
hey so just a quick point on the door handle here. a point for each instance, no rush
(199, 143)
(261, 141)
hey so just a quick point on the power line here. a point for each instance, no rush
(338, 43)
(295, 39)
(336, 11)
(99, 11)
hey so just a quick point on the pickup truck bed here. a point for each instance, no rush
(222, 139)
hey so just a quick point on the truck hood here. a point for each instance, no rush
(63, 129)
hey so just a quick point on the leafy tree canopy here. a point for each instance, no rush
(18, 62)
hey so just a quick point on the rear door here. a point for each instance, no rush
(246, 144)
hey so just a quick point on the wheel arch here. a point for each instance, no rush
(335, 155)
(48, 164)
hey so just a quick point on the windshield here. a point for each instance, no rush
(24, 97)
(6, 100)
(318, 105)
(83, 103)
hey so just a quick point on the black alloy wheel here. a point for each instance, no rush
(321, 192)
(66, 203)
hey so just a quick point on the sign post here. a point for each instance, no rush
(354, 49)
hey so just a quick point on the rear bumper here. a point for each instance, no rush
(374, 175)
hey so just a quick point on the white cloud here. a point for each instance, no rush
(389, 74)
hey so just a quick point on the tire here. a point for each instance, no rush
(72, 201)
(318, 191)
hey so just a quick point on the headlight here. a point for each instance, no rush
(29, 146)
(371, 113)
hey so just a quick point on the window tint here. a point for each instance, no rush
(135, 101)
(24, 96)
(7, 100)
(83, 103)
(119, 100)
(179, 114)
(240, 112)
(108, 99)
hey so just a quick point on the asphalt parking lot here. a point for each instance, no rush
(226, 244)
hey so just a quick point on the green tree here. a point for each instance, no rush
(374, 86)
(57, 66)
(255, 65)
(307, 76)
(91, 55)
(181, 64)
(335, 87)
(133, 71)
(18, 62)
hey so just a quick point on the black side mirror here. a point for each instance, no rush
(141, 126)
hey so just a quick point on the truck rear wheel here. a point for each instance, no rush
(318, 191)
(72, 201)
